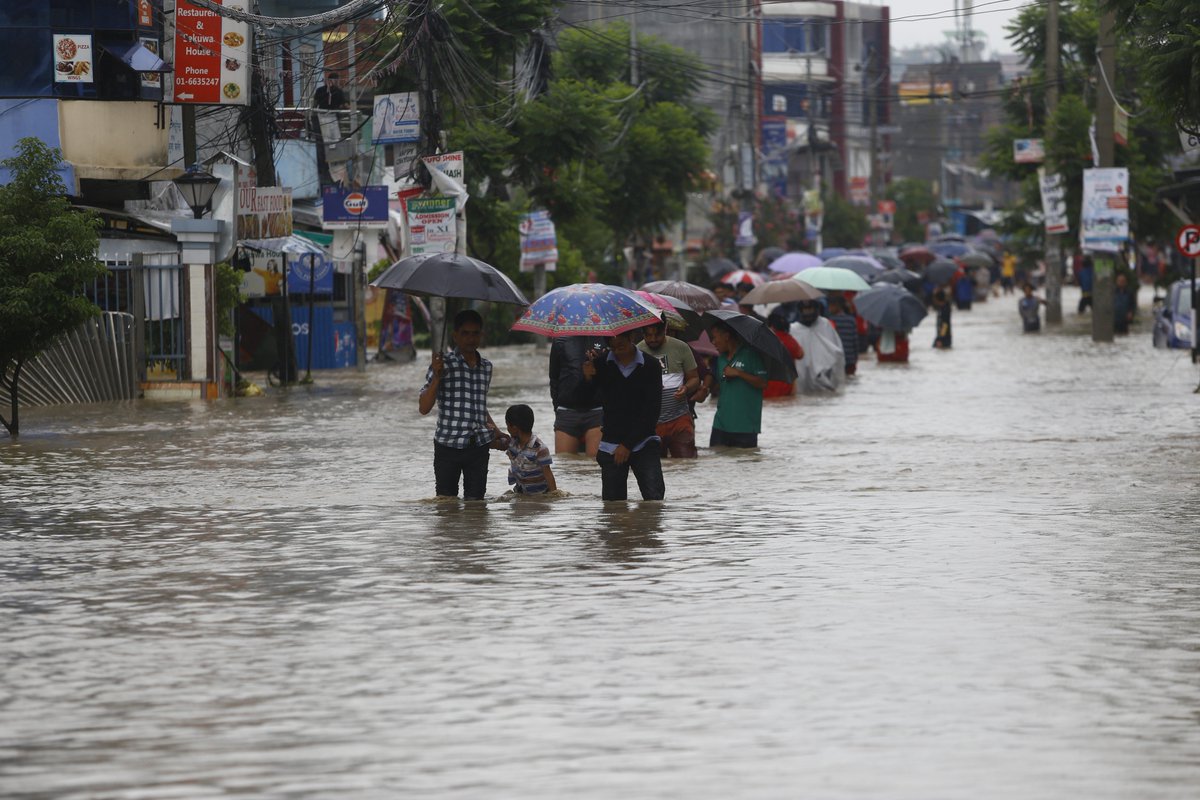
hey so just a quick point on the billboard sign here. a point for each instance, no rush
(396, 118)
(73, 61)
(1105, 212)
(431, 225)
(366, 207)
(1028, 151)
(539, 241)
(1054, 202)
(263, 212)
(303, 265)
(212, 56)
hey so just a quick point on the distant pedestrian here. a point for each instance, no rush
(529, 472)
(680, 378)
(741, 378)
(1123, 304)
(779, 326)
(329, 96)
(458, 383)
(631, 393)
(1030, 308)
(943, 340)
(1086, 279)
(1008, 271)
(964, 292)
(847, 328)
(892, 347)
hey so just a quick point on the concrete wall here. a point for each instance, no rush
(112, 140)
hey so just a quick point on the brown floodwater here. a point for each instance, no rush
(974, 575)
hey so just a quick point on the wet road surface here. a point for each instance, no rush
(974, 575)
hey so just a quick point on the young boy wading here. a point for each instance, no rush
(458, 383)
(631, 393)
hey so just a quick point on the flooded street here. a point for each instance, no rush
(977, 575)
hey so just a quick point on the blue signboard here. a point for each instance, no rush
(775, 155)
(354, 208)
(298, 273)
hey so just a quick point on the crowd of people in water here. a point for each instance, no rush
(629, 400)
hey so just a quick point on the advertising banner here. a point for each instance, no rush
(1028, 151)
(354, 208)
(775, 156)
(918, 93)
(745, 230)
(73, 58)
(1105, 211)
(396, 118)
(539, 241)
(263, 212)
(431, 225)
(1054, 202)
(212, 56)
(860, 191)
(299, 267)
(449, 176)
(265, 277)
(151, 80)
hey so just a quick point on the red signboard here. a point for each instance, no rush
(145, 14)
(211, 56)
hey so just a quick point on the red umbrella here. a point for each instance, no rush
(917, 257)
(743, 276)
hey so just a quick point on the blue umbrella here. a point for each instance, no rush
(587, 309)
(831, 252)
(949, 249)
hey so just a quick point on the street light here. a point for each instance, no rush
(197, 187)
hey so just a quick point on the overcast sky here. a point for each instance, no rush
(989, 16)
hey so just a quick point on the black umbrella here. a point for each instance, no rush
(941, 272)
(889, 306)
(450, 275)
(904, 277)
(766, 256)
(780, 365)
(719, 266)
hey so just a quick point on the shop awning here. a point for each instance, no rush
(135, 55)
(283, 244)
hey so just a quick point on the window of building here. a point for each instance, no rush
(793, 36)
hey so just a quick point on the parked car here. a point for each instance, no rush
(1173, 316)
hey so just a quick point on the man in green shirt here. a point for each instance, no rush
(680, 378)
(739, 381)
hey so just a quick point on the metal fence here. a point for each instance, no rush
(148, 286)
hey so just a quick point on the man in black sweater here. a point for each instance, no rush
(631, 394)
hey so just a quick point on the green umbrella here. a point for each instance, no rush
(832, 279)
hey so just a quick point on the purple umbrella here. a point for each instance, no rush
(795, 262)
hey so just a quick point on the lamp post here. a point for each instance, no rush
(198, 243)
(197, 186)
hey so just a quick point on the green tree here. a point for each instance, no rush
(844, 224)
(1165, 34)
(1067, 136)
(47, 256)
(913, 197)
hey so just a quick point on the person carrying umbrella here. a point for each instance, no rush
(680, 378)
(631, 395)
(740, 378)
(457, 382)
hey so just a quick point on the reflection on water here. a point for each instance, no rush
(982, 569)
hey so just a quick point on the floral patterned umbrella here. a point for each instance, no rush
(670, 314)
(587, 309)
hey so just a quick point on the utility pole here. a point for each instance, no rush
(872, 94)
(814, 171)
(1054, 261)
(1102, 289)
(417, 29)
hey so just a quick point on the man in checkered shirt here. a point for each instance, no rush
(458, 383)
